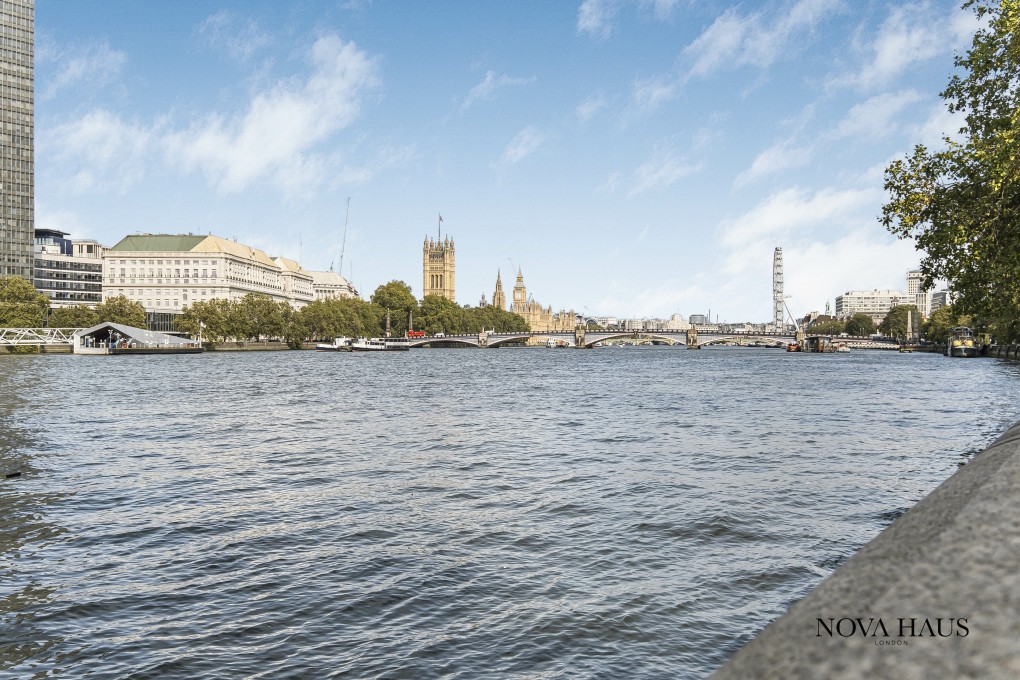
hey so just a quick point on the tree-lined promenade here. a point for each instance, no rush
(256, 317)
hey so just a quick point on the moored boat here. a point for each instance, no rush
(340, 344)
(961, 343)
(380, 345)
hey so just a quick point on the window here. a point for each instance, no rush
(205, 273)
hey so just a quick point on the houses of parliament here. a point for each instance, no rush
(438, 278)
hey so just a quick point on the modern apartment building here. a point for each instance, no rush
(68, 272)
(166, 272)
(17, 156)
(874, 303)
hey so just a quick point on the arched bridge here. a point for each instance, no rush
(583, 338)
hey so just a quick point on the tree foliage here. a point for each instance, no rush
(961, 204)
(942, 321)
(73, 317)
(860, 324)
(121, 310)
(830, 327)
(396, 298)
(21, 305)
(895, 323)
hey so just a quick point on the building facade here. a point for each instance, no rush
(17, 133)
(539, 318)
(330, 285)
(943, 298)
(922, 297)
(438, 268)
(874, 303)
(68, 272)
(166, 272)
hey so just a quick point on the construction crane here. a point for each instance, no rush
(343, 240)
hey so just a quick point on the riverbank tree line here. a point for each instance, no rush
(255, 316)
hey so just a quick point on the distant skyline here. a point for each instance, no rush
(634, 158)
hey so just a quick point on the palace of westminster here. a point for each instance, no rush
(438, 278)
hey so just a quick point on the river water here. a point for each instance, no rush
(512, 513)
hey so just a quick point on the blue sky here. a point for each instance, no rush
(634, 158)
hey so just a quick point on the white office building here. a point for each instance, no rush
(922, 297)
(330, 285)
(167, 272)
(874, 303)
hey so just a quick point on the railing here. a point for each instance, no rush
(24, 337)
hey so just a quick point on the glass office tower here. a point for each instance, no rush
(17, 125)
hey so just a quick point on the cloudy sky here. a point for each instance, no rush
(634, 158)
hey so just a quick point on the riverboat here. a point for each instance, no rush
(380, 345)
(340, 344)
(842, 349)
(961, 343)
(792, 347)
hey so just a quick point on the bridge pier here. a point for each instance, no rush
(483, 339)
(579, 338)
(692, 338)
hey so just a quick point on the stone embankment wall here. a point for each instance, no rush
(1005, 351)
(935, 595)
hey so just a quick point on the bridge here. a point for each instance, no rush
(691, 339)
(36, 337)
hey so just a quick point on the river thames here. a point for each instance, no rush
(512, 513)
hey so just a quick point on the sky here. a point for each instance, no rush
(633, 158)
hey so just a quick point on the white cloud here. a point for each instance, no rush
(938, 124)
(796, 212)
(281, 124)
(661, 171)
(589, 107)
(876, 117)
(756, 39)
(778, 157)
(910, 34)
(486, 90)
(92, 65)
(241, 38)
(650, 93)
(279, 136)
(115, 150)
(595, 17)
(524, 143)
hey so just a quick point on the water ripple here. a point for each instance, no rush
(520, 513)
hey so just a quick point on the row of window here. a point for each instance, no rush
(159, 273)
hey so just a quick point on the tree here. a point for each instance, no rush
(256, 315)
(830, 327)
(895, 323)
(941, 322)
(121, 310)
(397, 298)
(860, 324)
(78, 316)
(439, 315)
(961, 204)
(21, 305)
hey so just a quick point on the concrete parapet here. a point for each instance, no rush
(937, 594)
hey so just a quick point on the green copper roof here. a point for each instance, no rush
(158, 243)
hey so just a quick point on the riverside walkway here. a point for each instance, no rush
(935, 595)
